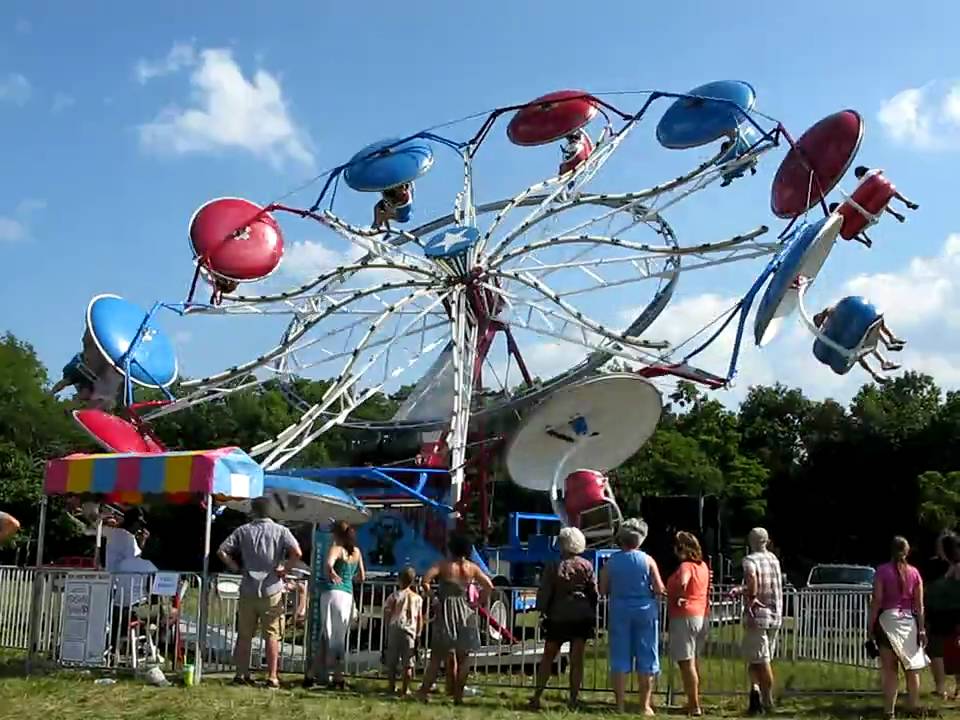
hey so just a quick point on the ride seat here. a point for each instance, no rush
(855, 325)
(590, 504)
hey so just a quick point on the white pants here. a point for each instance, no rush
(336, 612)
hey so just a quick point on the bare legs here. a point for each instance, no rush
(273, 658)
(898, 216)
(645, 691)
(550, 652)
(889, 680)
(619, 690)
(430, 676)
(241, 655)
(457, 670)
(644, 687)
(761, 674)
(905, 201)
(689, 673)
(892, 342)
(462, 671)
(577, 650)
(939, 677)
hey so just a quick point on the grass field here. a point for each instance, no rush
(75, 695)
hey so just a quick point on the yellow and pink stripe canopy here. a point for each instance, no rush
(226, 473)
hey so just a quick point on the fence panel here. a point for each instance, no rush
(820, 646)
(16, 588)
(142, 629)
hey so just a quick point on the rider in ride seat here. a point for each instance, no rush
(861, 170)
(889, 340)
(575, 144)
(75, 375)
(862, 237)
(391, 200)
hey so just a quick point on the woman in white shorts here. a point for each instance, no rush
(687, 592)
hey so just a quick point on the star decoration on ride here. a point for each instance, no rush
(450, 243)
(449, 249)
(242, 234)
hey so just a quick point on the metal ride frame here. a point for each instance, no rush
(474, 305)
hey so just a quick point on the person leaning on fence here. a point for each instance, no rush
(403, 615)
(567, 603)
(897, 623)
(942, 605)
(9, 526)
(631, 581)
(455, 632)
(687, 592)
(265, 549)
(762, 616)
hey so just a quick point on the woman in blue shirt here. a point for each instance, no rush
(630, 580)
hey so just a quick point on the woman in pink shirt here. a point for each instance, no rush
(897, 623)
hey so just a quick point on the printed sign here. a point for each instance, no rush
(166, 584)
(86, 618)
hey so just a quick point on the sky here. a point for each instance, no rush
(118, 121)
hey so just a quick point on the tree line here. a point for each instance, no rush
(832, 483)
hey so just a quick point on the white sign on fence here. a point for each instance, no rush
(86, 618)
(166, 584)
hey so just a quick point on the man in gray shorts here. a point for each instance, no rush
(264, 550)
(762, 616)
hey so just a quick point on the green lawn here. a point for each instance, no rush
(77, 697)
(74, 695)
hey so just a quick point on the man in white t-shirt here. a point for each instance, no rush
(130, 587)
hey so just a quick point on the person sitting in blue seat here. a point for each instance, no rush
(74, 375)
(725, 147)
(889, 340)
(97, 391)
(391, 200)
(861, 170)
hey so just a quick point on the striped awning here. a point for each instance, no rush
(226, 473)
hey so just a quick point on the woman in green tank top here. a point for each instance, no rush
(344, 568)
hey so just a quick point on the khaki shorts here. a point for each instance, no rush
(401, 650)
(265, 612)
(687, 635)
(759, 644)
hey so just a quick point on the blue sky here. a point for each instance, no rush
(119, 120)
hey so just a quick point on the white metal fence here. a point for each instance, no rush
(820, 648)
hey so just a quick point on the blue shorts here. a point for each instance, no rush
(403, 213)
(634, 637)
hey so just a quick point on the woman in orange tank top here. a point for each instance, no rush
(687, 591)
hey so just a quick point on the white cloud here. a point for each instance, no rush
(229, 112)
(61, 101)
(181, 55)
(15, 89)
(12, 230)
(16, 227)
(923, 291)
(925, 118)
(30, 205)
(308, 259)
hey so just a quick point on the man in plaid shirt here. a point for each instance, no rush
(762, 615)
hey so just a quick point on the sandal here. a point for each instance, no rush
(272, 684)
